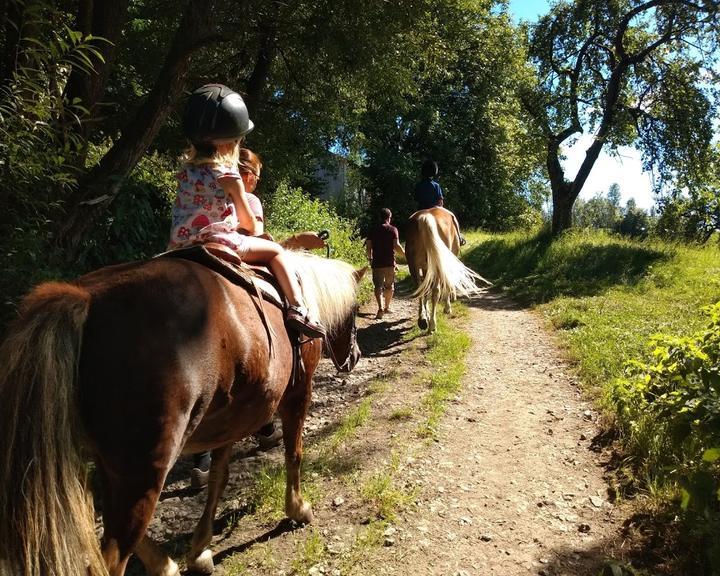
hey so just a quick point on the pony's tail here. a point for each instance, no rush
(445, 272)
(46, 520)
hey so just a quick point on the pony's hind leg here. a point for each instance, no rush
(292, 410)
(422, 313)
(156, 561)
(200, 558)
(128, 506)
(435, 297)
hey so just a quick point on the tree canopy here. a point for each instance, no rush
(628, 72)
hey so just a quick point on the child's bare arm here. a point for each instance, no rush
(246, 219)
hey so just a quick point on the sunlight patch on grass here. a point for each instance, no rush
(446, 352)
(351, 423)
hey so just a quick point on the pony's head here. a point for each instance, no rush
(329, 287)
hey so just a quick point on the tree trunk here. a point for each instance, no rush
(105, 21)
(563, 192)
(103, 183)
(562, 208)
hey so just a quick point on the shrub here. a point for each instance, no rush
(671, 411)
(291, 210)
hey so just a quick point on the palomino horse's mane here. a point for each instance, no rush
(328, 286)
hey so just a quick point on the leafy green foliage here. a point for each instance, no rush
(627, 72)
(463, 112)
(677, 397)
(291, 210)
(693, 214)
(37, 152)
(138, 226)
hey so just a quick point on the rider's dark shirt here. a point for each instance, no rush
(428, 193)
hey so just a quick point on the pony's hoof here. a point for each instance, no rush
(203, 564)
(422, 324)
(304, 515)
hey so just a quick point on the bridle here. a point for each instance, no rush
(345, 366)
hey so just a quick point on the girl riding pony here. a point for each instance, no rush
(212, 204)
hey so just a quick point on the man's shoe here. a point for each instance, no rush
(268, 441)
(199, 478)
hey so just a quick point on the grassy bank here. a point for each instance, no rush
(608, 297)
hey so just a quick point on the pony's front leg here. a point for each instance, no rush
(293, 409)
(447, 308)
(156, 562)
(200, 558)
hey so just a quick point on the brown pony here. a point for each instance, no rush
(431, 249)
(134, 365)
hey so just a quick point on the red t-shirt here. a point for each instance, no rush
(382, 239)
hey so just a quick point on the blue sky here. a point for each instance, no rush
(626, 170)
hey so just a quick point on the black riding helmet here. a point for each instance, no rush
(429, 169)
(215, 112)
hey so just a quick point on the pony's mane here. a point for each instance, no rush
(328, 286)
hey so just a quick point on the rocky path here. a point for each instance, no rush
(513, 486)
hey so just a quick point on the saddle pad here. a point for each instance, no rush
(244, 275)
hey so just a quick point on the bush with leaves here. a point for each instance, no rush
(291, 210)
(38, 148)
(670, 411)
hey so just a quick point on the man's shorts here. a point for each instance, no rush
(383, 278)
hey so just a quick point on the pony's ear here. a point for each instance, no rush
(360, 273)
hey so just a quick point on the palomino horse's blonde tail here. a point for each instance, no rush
(46, 520)
(445, 272)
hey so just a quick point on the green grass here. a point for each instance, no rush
(446, 352)
(381, 490)
(606, 295)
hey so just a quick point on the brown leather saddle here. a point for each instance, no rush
(228, 264)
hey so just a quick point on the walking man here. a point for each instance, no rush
(381, 245)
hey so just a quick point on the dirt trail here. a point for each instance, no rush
(510, 486)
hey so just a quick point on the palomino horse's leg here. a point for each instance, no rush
(156, 561)
(434, 298)
(422, 304)
(200, 559)
(448, 307)
(422, 313)
(293, 408)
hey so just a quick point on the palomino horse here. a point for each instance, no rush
(133, 365)
(431, 248)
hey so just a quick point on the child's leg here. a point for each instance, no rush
(261, 251)
(378, 286)
(389, 288)
(457, 229)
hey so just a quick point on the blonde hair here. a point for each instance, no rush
(249, 161)
(208, 153)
